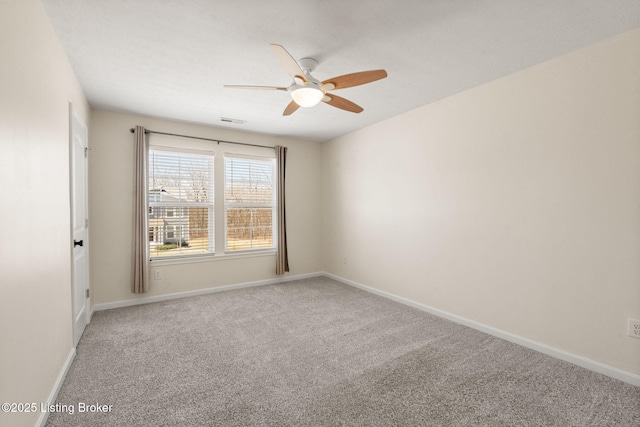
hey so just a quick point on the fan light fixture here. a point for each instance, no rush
(307, 91)
(306, 95)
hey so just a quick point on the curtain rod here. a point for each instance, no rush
(146, 131)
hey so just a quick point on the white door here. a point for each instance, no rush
(79, 225)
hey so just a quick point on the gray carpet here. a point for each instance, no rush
(316, 352)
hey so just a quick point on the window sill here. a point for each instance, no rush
(211, 258)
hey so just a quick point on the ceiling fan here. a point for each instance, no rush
(307, 91)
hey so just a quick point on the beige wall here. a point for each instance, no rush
(515, 204)
(37, 84)
(110, 198)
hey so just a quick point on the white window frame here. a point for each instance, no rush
(217, 224)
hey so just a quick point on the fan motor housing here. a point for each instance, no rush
(308, 64)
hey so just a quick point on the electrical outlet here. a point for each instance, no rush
(634, 328)
(157, 275)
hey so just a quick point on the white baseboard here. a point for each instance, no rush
(167, 297)
(575, 359)
(42, 420)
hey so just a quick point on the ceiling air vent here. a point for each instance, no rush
(228, 120)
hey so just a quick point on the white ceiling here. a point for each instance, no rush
(170, 58)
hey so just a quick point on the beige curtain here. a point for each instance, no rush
(140, 282)
(282, 258)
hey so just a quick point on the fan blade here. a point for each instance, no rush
(353, 79)
(345, 104)
(256, 87)
(291, 108)
(290, 65)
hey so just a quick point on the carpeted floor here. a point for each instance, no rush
(317, 352)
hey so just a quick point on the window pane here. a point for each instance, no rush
(189, 234)
(249, 228)
(249, 203)
(184, 177)
(249, 181)
(181, 203)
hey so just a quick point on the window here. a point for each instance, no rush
(188, 216)
(249, 203)
(181, 203)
